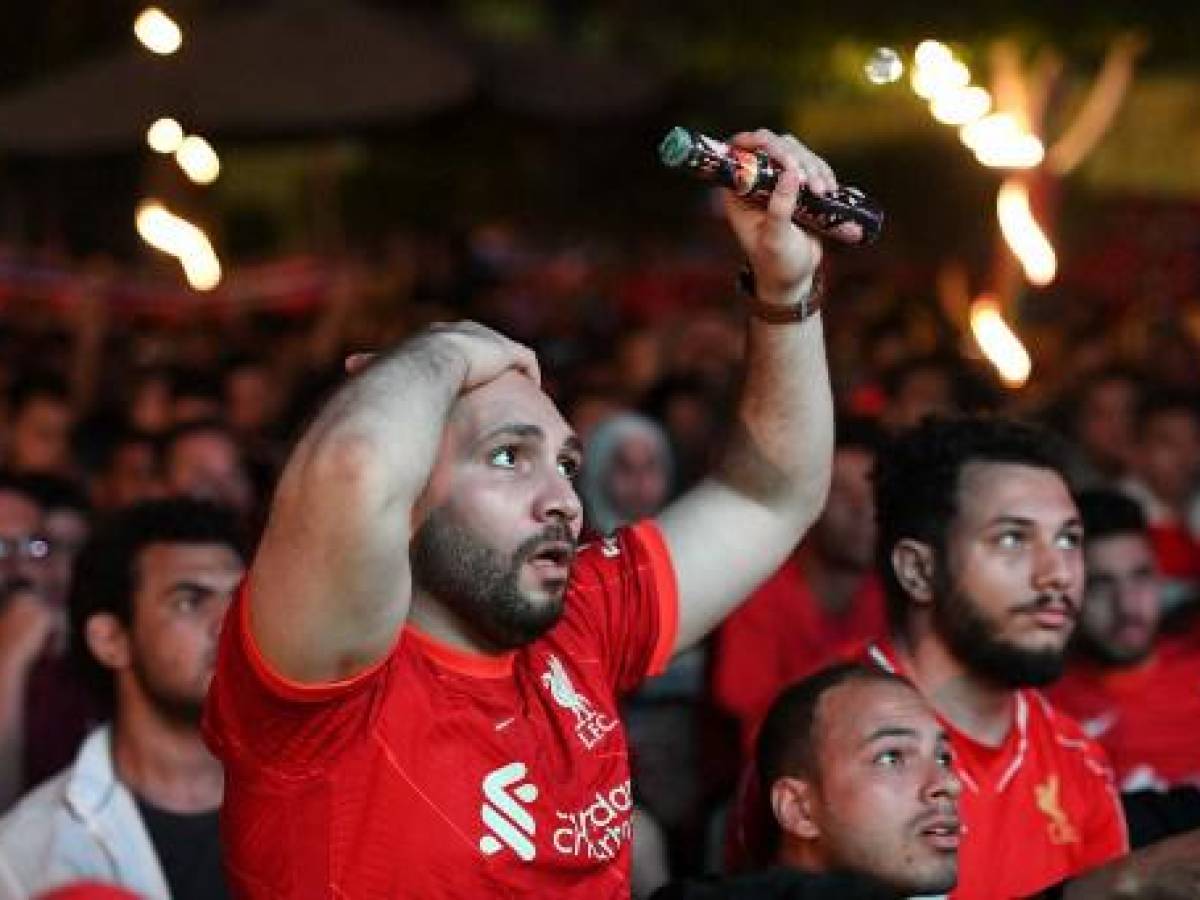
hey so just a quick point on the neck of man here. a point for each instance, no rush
(835, 585)
(976, 706)
(162, 761)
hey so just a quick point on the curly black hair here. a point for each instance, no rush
(918, 474)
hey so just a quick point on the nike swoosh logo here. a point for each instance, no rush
(500, 726)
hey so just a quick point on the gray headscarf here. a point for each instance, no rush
(598, 454)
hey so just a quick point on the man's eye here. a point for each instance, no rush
(890, 758)
(945, 759)
(1010, 540)
(1070, 540)
(569, 467)
(505, 457)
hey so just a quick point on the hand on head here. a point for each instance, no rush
(487, 353)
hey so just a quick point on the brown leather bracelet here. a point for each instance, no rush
(772, 312)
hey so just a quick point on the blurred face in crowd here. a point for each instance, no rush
(1168, 458)
(636, 480)
(1008, 592)
(23, 548)
(497, 546)
(250, 398)
(207, 465)
(183, 591)
(883, 799)
(132, 476)
(924, 391)
(66, 529)
(150, 409)
(41, 436)
(844, 535)
(1105, 424)
(1121, 601)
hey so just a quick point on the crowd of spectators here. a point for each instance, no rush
(110, 401)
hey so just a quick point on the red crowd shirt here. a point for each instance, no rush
(781, 634)
(1039, 808)
(1142, 715)
(439, 773)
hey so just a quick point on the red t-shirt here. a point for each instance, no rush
(1144, 716)
(439, 773)
(1039, 808)
(782, 634)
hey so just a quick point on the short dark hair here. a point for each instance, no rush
(41, 385)
(853, 432)
(1106, 512)
(787, 740)
(1164, 400)
(917, 477)
(58, 492)
(105, 578)
(185, 430)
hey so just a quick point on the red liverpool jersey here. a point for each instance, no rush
(1142, 715)
(781, 634)
(439, 773)
(1039, 808)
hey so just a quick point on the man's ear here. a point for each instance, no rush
(913, 563)
(792, 803)
(108, 640)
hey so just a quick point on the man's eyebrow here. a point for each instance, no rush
(514, 429)
(1027, 522)
(574, 444)
(889, 731)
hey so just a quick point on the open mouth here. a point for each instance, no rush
(943, 834)
(556, 556)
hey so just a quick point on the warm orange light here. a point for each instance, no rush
(165, 231)
(1023, 234)
(999, 343)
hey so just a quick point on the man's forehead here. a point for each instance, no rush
(989, 490)
(861, 709)
(18, 513)
(511, 400)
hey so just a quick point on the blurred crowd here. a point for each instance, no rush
(109, 399)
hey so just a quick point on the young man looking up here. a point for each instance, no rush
(981, 548)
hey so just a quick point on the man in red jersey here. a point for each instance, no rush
(416, 691)
(1133, 691)
(980, 547)
(823, 602)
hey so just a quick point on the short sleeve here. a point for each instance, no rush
(256, 716)
(624, 595)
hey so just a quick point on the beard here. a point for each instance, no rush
(176, 706)
(974, 640)
(483, 587)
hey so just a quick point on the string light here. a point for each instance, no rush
(157, 31)
(1000, 343)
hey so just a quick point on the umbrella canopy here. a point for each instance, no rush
(557, 82)
(283, 69)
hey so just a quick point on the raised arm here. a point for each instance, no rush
(738, 525)
(330, 585)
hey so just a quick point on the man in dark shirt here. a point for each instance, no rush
(138, 808)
